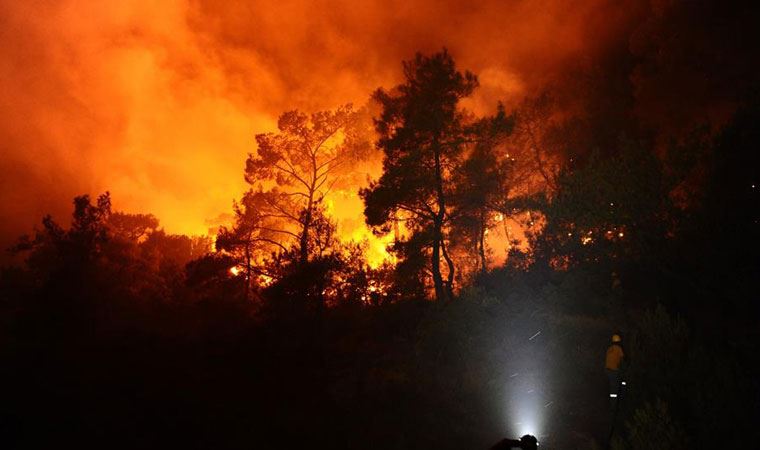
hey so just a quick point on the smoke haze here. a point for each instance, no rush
(158, 102)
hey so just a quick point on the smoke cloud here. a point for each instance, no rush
(158, 102)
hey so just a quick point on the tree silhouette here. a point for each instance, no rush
(73, 248)
(422, 133)
(482, 184)
(252, 236)
(294, 170)
(133, 227)
(610, 206)
(534, 138)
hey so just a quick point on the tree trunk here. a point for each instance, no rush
(507, 234)
(452, 272)
(247, 268)
(435, 263)
(304, 247)
(440, 292)
(537, 157)
(396, 229)
(482, 243)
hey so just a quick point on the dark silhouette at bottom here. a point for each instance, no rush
(526, 442)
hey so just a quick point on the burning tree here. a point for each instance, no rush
(281, 218)
(535, 138)
(249, 237)
(490, 185)
(294, 169)
(424, 134)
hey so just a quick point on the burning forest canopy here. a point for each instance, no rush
(159, 103)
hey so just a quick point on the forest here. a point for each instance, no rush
(502, 247)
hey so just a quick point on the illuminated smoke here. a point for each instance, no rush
(158, 102)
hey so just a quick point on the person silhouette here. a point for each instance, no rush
(526, 442)
(612, 364)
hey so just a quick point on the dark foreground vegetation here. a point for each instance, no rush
(118, 335)
(94, 356)
(115, 334)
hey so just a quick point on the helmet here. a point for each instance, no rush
(616, 338)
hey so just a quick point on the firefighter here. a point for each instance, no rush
(612, 366)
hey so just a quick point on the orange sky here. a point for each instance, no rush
(158, 101)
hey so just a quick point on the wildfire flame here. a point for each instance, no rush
(158, 102)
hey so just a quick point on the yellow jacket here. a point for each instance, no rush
(614, 357)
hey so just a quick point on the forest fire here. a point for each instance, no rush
(379, 224)
(158, 104)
